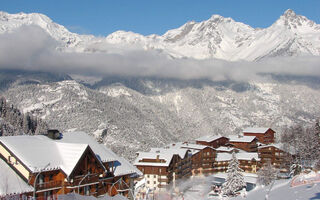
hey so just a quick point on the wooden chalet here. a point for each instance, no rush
(74, 164)
(162, 167)
(264, 135)
(277, 155)
(246, 143)
(202, 157)
(214, 141)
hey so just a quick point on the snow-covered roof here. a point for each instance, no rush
(209, 138)
(240, 156)
(237, 138)
(10, 182)
(280, 146)
(166, 157)
(187, 146)
(105, 154)
(164, 154)
(256, 130)
(180, 152)
(223, 157)
(248, 156)
(122, 166)
(37, 152)
(227, 149)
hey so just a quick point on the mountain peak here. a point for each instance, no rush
(289, 13)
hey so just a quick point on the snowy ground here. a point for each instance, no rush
(282, 190)
(196, 189)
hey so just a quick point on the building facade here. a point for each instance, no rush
(52, 167)
(263, 135)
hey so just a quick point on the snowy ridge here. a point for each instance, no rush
(217, 37)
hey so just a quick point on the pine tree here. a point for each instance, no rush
(235, 180)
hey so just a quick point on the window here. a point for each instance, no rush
(41, 179)
(160, 170)
(86, 190)
(154, 182)
(148, 176)
(97, 187)
(154, 176)
(208, 153)
(148, 182)
(50, 177)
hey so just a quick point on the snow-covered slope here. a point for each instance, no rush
(130, 120)
(217, 37)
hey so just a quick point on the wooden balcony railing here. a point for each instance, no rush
(48, 185)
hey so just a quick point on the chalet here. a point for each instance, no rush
(161, 167)
(249, 162)
(264, 135)
(277, 155)
(214, 141)
(246, 143)
(72, 163)
(202, 157)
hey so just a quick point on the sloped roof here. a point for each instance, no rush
(36, 152)
(209, 138)
(236, 138)
(104, 153)
(10, 182)
(167, 157)
(256, 130)
(280, 146)
(248, 156)
(122, 166)
(180, 145)
(227, 149)
(240, 156)
(169, 151)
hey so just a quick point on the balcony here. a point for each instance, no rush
(49, 185)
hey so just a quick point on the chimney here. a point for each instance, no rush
(54, 134)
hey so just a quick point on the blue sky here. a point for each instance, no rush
(102, 17)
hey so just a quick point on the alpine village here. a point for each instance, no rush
(56, 165)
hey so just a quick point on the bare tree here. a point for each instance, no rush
(304, 142)
(267, 174)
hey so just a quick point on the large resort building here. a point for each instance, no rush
(47, 166)
(211, 155)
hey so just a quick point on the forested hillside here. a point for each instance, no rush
(14, 122)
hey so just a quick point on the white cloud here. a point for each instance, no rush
(31, 48)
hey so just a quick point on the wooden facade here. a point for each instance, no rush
(246, 146)
(159, 175)
(250, 166)
(215, 143)
(203, 161)
(266, 137)
(89, 177)
(274, 155)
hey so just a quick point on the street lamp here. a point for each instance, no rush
(35, 180)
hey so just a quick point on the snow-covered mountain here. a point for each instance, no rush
(153, 113)
(217, 37)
